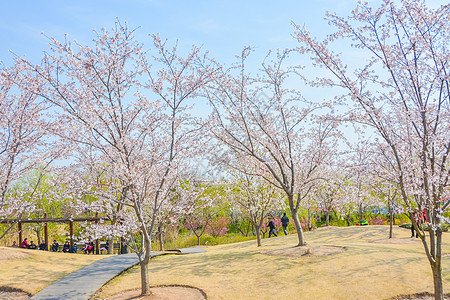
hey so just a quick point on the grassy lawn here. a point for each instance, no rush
(32, 270)
(366, 270)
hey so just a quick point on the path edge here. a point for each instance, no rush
(93, 296)
(156, 254)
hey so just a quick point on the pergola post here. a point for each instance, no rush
(20, 234)
(123, 246)
(71, 236)
(46, 233)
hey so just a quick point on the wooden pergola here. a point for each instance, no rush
(46, 220)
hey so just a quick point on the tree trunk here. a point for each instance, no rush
(147, 247)
(258, 235)
(327, 215)
(111, 245)
(298, 226)
(437, 279)
(434, 255)
(161, 241)
(240, 230)
(348, 219)
(111, 238)
(38, 235)
(198, 240)
(145, 281)
(309, 218)
(436, 266)
(391, 222)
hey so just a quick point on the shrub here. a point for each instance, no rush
(218, 227)
(377, 221)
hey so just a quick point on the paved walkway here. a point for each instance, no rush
(83, 283)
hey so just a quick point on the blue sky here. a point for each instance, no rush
(223, 27)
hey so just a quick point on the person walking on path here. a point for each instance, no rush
(285, 223)
(271, 226)
(415, 218)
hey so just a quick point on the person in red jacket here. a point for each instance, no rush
(24, 243)
(424, 216)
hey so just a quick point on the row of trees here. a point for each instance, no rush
(123, 118)
(242, 205)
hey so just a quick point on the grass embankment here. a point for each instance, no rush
(371, 268)
(32, 270)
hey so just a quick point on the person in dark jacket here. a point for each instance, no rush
(271, 226)
(42, 246)
(32, 246)
(66, 247)
(285, 223)
(55, 246)
(415, 218)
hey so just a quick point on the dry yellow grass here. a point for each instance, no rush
(367, 270)
(32, 270)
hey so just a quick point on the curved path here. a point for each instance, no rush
(83, 283)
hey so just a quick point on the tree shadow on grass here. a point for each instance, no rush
(306, 251)
(418, 296)
(10, 293)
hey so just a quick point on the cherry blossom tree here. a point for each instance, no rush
(327, 192)
(93, 188)
(23, 129)
(360, 168)
(388, 192)
(383, 186)
(240, 221)
(310, 205)
(271, 126)
(347, 204)
(206, 201)
(118, 108)
(402, 92)
(257, 200)
(36, 189)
